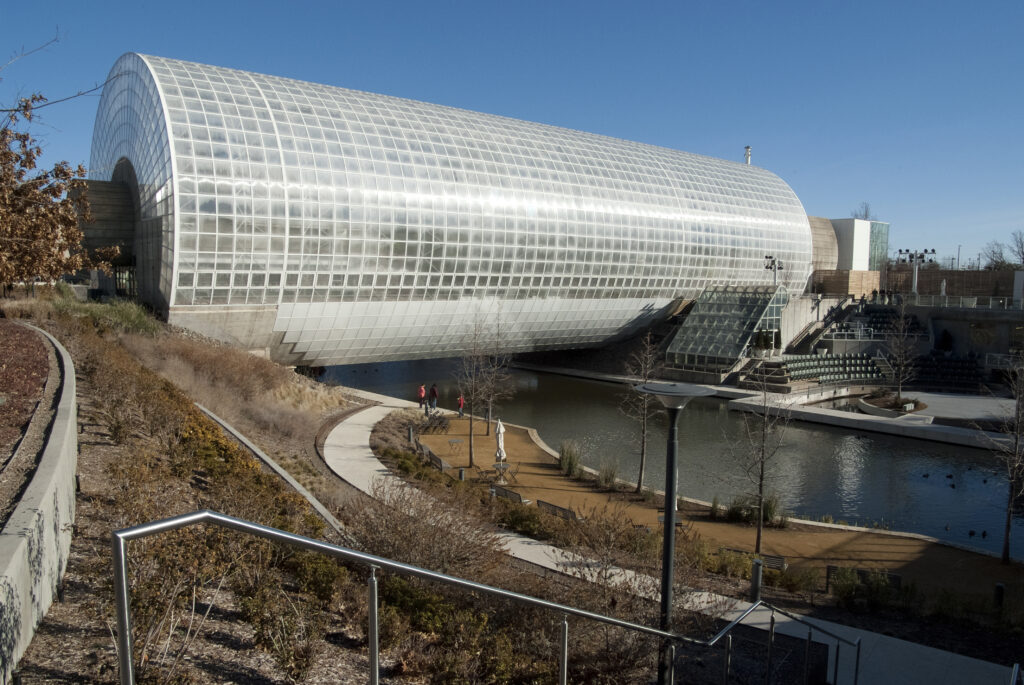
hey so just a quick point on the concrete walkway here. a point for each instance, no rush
(962, 408)
(883, 659)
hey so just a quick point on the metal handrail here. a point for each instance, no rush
(1015, 674)
(119, 547)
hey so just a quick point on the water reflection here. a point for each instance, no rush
(864, 478)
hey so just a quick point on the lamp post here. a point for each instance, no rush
(916, 257)
(775, 266)
(674, 396)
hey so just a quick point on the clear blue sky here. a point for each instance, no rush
(914, 107)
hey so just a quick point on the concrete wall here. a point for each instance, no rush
(838, 282)
(959, 283)
(853, 238)
(35, 543)
(113, 218)
(800, 312)
(825, 249)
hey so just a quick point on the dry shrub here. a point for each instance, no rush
(29, 308)
(238, 386)
(223, 366)
(311, 396)
(392, 432)
(608, 537)
(407, 525)
(288, 627)
(184, 462)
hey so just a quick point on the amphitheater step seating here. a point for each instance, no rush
(811, 368)
(944, 373)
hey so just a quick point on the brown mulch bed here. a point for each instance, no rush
(26, 361)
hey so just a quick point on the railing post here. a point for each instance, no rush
(124, 615)
(671, 664)
(563, 656)
(728, 658)
(835, 666)
(807, 657)
(755, 580)
(373, 632)
(771, 643)
(856, 664)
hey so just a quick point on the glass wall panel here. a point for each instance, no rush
(420, 218)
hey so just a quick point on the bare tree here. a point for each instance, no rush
(1009, 449)
(757, 452)
(482, 376)
(1016, 247)
(993, 255)
(901, 346)
(863, 212)
(642, 365)
(497, 381)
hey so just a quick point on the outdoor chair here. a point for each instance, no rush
(484, 474)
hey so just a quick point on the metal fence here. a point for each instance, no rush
(120, 539)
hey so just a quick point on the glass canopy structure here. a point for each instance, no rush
(326, 226)
(723, 324)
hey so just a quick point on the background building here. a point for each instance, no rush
(324, 225)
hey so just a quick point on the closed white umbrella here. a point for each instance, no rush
(499, 435)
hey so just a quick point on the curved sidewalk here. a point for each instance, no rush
(883, 659)
(348, 454)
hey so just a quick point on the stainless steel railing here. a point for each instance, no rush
(119, 545)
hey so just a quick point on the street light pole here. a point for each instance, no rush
(668, 548)
(916, 258)
(775, 266)
(674, 396)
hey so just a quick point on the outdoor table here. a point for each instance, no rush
(455, 445)
(501, 467)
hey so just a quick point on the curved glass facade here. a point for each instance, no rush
(364, 227)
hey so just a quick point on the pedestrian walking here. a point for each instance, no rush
(422, 394)
(433, 397)
(462, 404)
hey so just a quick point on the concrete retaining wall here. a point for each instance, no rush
(35, 543)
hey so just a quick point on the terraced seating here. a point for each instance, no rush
(932, 371)
(822, 369)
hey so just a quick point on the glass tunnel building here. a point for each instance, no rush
(328, 226)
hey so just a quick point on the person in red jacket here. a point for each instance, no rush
(462, 404)
(422, 394)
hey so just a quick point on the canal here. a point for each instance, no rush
(859, 478)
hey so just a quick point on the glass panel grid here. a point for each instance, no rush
(294, 193)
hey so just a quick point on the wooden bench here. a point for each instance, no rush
(772, 561)
(895, 580)
(555, 510)
(436, 461)
(428, 454)
(680, 523)
(505, 493)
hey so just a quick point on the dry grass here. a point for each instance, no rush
(239, 386)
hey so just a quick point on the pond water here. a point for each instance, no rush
(860, 478)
